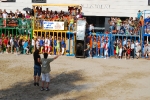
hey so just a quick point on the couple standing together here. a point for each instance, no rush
(42, 66)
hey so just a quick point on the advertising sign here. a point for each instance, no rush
(81, 28)
(49, 25)
(12, 22)
(38, 1)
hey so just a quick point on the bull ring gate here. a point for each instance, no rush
(55, 30)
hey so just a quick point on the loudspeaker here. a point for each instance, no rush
(149, 2)
(80, 46)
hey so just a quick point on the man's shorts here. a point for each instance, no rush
(37, 70)
(46, 77)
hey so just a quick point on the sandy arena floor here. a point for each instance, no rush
(76, 79)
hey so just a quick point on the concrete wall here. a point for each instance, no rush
(125, 8)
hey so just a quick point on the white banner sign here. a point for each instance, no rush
(81, 27)
(49, 25)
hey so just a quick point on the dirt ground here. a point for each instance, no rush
(76, 79)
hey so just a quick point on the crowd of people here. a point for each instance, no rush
(15, 44)
(22, 44)
(69, 18)
(53, 45)
(130, 48)
(126, 48)
(130, 26)
(96, 46)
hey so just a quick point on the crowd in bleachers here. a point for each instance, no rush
(15, 19)
(147, 25)
(69, 18)
(53, 45)
(21, 44)
(130, 26)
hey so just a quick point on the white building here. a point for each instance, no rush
(91, 8)
(124, 8)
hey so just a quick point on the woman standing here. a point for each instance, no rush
(128, 52)
(125, 51)
(120, 50)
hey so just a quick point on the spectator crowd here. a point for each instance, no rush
(100, 46)
(130, 26)
(69, 18)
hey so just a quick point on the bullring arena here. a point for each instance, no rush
(76, 79)
(103, 56)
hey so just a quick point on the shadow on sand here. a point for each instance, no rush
(60, 84)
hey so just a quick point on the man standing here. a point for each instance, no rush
(11, 44)
(102, 48)
(37, 67)
(124, 41)
(46, 44)
(106, 50)
(138, 50)
(132, 49)
(148, 52)
(16, 46)
(41, 43)
(63, 46)
(91, 28)
(55, 45)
